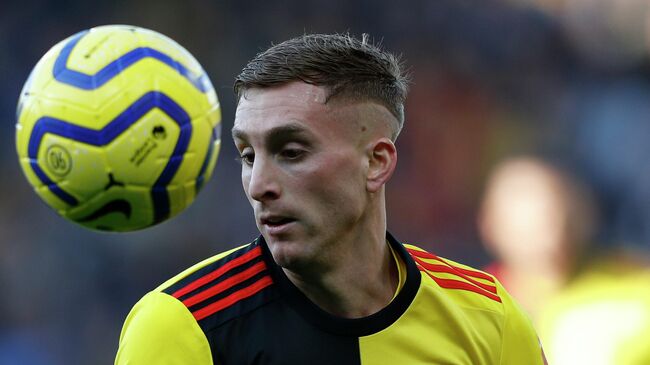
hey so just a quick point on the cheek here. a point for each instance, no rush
(337, 182)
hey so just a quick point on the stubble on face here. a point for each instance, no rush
(324, 191)
(301, 188)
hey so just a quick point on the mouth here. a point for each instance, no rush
(276, 224)
(276, 221)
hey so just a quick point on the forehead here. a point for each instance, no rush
(297, 91)
(295, 103)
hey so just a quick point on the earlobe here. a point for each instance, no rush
(382, 161)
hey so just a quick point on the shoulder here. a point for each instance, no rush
(222, 287)
(226, 259)
(146, 335)
(177, 315)
(483, 303)
(468, 286)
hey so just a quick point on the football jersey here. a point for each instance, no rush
(602, 317)
(240, 308)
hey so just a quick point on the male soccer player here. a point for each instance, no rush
(325, 283)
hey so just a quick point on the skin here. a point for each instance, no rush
(528, 220)
(314, 173)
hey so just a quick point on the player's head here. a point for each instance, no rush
(315, 124)
(348, 68)
(535, 213)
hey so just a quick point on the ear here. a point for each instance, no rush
(382, 159)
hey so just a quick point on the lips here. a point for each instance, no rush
(277, 225)
(276, 220)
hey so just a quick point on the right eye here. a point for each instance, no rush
(246, 158)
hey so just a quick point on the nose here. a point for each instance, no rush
(262, 181)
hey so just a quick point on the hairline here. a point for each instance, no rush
(333, 96)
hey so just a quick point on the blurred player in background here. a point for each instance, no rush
(536, 221)
(325, 283)
(590, 308)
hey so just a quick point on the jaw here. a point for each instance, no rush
(291, 254)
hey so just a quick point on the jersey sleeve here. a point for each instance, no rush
(520, 344)
(160, 330)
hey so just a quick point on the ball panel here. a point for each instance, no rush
(96, 102)
(99, 47)
(196, 152)
(200, 159)
(176, 87)
(139, 155)
(211, 163)
(77, 168)
(178, 199)
(120, 208)
(168, 46)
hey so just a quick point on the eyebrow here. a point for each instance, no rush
(275, 133)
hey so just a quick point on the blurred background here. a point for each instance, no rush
(564, 81)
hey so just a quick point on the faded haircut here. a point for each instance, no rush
(347, 67)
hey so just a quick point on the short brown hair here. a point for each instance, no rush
(346, 66)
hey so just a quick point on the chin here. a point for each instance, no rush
(287, 254)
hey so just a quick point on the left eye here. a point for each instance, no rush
(291, 153)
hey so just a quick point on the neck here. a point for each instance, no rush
(359, 277)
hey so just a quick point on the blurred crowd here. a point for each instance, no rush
(509, 99)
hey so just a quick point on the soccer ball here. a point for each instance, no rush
(118, 128)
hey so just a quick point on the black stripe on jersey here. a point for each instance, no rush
(226, 275)
(208, 269)
(230, 290)
(238, 309)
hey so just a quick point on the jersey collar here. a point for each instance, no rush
(344, 326)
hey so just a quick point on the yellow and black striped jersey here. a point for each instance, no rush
(240, 308)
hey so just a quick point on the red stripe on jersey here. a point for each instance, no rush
(248, 256)
(473, 273)
(457, 284)
(448, 268)
(425, 266)
(454, 271)
(228, 283)
(232, 298)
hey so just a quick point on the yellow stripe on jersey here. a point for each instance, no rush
(401, 271)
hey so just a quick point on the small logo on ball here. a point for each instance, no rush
(159, 132)
(58, 160)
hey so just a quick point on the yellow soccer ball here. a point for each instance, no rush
(118, 128)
